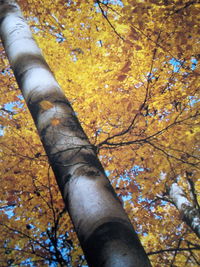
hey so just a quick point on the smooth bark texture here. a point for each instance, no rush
(104, 230)
(189, 213)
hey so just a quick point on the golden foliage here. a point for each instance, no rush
(131, 72)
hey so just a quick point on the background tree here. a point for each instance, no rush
(133, 80)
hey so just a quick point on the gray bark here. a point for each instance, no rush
(104, 230)
(189, 213)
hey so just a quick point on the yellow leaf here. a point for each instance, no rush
(55, 121)
(45, 105)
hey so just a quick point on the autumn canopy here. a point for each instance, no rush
(130, 69)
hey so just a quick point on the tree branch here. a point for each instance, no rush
(172, 250)
(104, 15)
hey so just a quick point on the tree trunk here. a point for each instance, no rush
(104, 230)
(189, 213)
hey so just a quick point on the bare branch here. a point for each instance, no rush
(107, 19)
(172, 250)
